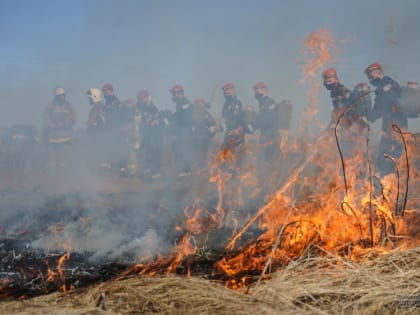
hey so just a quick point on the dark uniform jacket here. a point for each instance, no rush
(234, 115)
(149, 114)
(183, 116)
(388, 105)
(340, 97)
(268, 117)
(116, 113)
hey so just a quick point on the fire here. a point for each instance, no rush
(318, 215)
(326, 204)
(319, 49)
(196, 223)
(53, 275)
(60, 271)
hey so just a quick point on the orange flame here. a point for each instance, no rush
(319, 49)
(327, 218)
(60, 270)
(52, 275)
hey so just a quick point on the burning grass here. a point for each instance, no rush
(380, 283)
(309, 213)
(301, 241)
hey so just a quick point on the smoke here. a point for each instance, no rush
(153, 45)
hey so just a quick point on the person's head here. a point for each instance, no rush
(95, 96)
(59, 95)
(330, 78)
(374, 73)
(108, 90)
(144, 96)
(229, 90)
(177, 92)
(260, 90)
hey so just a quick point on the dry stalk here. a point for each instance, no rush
(281, 191)
(398, 130)
(348, 107)
(277, 242)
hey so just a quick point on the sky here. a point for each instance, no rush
(80, 44)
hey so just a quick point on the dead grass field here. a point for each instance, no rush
(379, 283)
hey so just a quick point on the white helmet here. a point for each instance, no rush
(95, 95)
(59, 91)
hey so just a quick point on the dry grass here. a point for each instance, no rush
(321, 285)
(331, 285)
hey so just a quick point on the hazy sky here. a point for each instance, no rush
(155, 44)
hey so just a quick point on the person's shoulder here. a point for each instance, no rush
(184, 101)
(269, 100)
(387, 79)
(389, 84)
(343, 88)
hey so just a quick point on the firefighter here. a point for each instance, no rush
(150, 153)
(235, 121)
(387, 105)
(268, 122)
(113, 107)
(340, 95)
(183, 129)
(120, 117)
(347, 115)
(204, 129)
(96, 127)
(97, 121)
(58, 121)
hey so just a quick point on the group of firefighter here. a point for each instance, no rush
(354, 110)
(131, 136)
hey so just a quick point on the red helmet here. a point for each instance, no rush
(107, 86)
(362, 87)
(143, 94)
(177, 88)
(59, 91)
(329, 73)
(260, 85)
(372, 67)
(228, 86)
